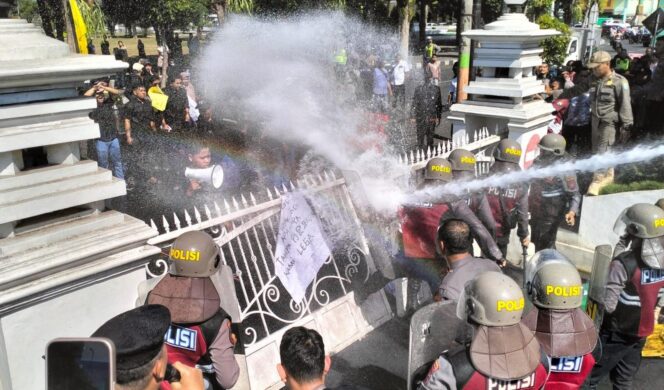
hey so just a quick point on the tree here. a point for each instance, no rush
(404, 7)
(555, 48)
(223, 7)
(491, 10)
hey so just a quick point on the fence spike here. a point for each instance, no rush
(269, 194)
(197, 215)
(227, 206)
(412, 158)
(440, 149)
(177, 221)
(428, 152)
(207, 212)
(475, 136)
(467, 139)
(153, 225)
(217, 209)
(187, 217)
(235, 203)
(252, 198)
(165, 223)
(244, 200)
(292, 186)
(334, 175)
(300, 183)
(400, 159)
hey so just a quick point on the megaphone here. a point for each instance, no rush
(213, 175)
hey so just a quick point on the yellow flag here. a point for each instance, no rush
(158, 98)
(79, 26)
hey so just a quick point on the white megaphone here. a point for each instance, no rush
(213, 175)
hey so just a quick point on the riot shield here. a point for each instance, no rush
(597, 283)
(225, 285)
(433, 330)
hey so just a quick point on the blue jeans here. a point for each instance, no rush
(106, 149)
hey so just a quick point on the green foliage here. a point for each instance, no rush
(646, 185)
(239, 6)
(491, 10)
(25, 9)
(555, 48)
(93, 15)
(538, 8)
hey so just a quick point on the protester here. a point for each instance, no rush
(91, 47)
(108, 117)
(621, 62)
(382, 89)
(433, 71)
(139, 123)
(176, 115)
(452, 93)
(140, 354)
(105, 46)
(399, 82)
(426, 112)
(141, 49)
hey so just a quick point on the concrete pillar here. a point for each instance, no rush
(67, 154)
(7, 229)
(11, 163)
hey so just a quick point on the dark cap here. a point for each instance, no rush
(138, 335)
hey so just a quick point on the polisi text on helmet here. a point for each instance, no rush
(467, 160)
(658, 222)
(513, 151)
(564, 291)
(440, 168)
(179, 254)
(510, 305)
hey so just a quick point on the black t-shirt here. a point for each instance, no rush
(108, 119)
(140, 113)
(177, 103)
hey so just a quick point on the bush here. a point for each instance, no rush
(646, 185)
(555, 48)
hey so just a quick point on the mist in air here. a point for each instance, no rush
(280, 75)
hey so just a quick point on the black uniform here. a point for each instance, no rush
(427, 108)
(550, 198)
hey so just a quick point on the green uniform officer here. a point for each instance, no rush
(610, 107)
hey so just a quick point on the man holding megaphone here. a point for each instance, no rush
(204, 178)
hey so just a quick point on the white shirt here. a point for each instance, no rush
(399, 72)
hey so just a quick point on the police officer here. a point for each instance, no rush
(463, 169)
(610, 108)
(200, 333)
(419, 227)
(503, 353)
(565, 332)
(509, 205)
(626, 238)
(634, 284)
(552, 197)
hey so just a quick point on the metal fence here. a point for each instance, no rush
(246, 231)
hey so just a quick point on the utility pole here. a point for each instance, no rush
(464, 50)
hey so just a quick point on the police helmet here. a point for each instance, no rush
(660, 203)
(194, 254)
(641, 220)
(556, 286)
(462, 160)
(509, 151)
(491, 299)
(553, 143)
(438, 168)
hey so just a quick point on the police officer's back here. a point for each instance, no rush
(200, 332)
(503, 352)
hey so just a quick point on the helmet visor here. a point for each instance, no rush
(652, 252)
(462, 306)
(620, 227)
(537, 260)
